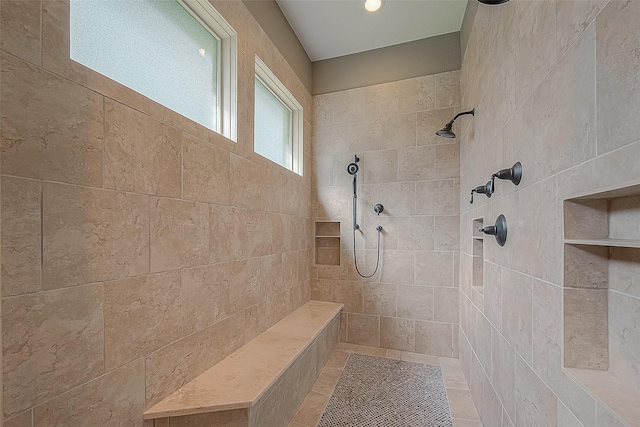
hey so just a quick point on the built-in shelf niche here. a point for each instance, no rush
(478, 257)
(327, 243)
(602, 296)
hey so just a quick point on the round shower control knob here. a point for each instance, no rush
(378, 208)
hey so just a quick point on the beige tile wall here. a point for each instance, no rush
(555, 85)
(411, 304)
(138, 247)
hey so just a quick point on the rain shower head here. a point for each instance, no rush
(447, 131)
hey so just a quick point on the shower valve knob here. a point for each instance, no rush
(486, 189)
(378, 208)
(499, 230)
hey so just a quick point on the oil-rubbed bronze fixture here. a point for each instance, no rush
(499, 230)
(486, 189)
(513, 174)
(446, 131)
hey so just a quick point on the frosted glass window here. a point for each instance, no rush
(155, 47)
(272, 129)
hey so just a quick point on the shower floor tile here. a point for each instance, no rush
(463, 411)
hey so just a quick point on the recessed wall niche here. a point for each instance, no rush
(602, 296)
(327, 243)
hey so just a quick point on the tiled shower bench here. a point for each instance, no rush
(262, 383)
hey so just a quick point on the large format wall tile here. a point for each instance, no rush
(624, 338)
(92, 235)
(434, 268)
(536, 44)
(52, 128)
(416, 302)
(437, 198)
(363, 329)
(188, 357)
(618, 41)
(22, 420)
(434, 338)
(142, 155)
(399, 131)
(516, 311)
(21, 236)
(397, 334)
(228, 238)
(63, 125)
(417, 94)
(20, 31)
(417, 163)
(179, 234)
(116, 398)
(564, 111)
(141, 314)
(205, 295)
(573, 17)
(380, 299)
(52, 341)
(247, 183)
(536, 405)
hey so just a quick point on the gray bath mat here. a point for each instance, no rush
(377, 392)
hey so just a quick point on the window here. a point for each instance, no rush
(180, 53)
(278, 119)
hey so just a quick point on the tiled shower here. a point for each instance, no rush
(140, 248)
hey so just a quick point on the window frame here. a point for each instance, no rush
(227, 74)
(280, 91)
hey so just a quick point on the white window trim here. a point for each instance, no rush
(227, 63)
(272, 83)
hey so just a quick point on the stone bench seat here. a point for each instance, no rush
(264, 381)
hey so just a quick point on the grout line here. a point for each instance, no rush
(41, 287)
(41, 33)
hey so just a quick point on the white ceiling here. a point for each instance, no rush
(331, 28)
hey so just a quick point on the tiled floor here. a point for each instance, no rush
(463, 411)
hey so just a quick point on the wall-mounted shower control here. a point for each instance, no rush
(499, 230)
(378, 208)
(513, 174)
(486, 189)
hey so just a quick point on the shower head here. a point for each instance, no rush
(446, 131)
(491, 2)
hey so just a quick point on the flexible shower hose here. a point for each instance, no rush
(355, 256)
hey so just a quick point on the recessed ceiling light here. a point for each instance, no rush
(372, 5)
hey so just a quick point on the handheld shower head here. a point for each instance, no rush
(352, 168)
